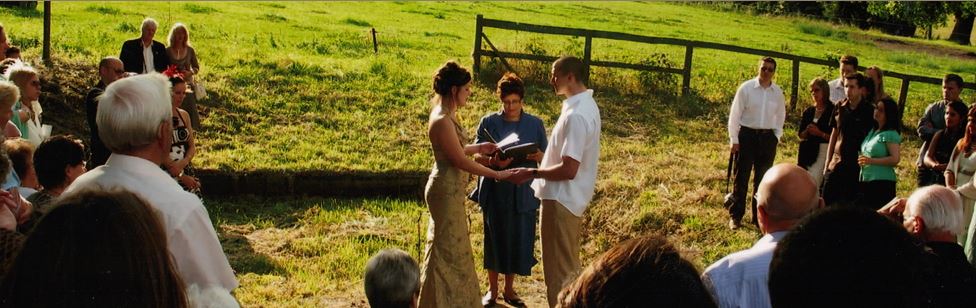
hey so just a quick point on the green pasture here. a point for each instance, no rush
(296, 86)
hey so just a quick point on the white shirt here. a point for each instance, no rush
(575, 135)
(147, 60)
(837, 91)
(758, 108)
(189, 233)
(741, 279)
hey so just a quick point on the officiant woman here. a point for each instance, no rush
(510, 211)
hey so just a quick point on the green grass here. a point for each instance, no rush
(296, 86)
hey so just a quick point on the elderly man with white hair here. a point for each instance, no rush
(134, 121)
(143, 54)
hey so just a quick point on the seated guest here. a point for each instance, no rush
(934, 120)
(392, 280)
(847, 257)
(134, 121)
(944, 141)
(6, 64)
(9, 95)
(13, 53)
(184, 147)
(27, 111)
(21, 153)
(109, 70)
(786, 194)
(143, 54)
(58, 161)
(120, 261)
(641, 272)
(10, 239)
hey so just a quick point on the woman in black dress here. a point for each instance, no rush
(814, 130)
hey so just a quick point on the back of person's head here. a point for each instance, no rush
(785, 195)
(95, 249)
(54, 156)
(569, 65)
(847, 257)
(449, 76)
(21, 153)
(939, 207)
(642, 272)
(9, 94)
(392, 279)
(131, 110)
(954, 79)
(6, 64)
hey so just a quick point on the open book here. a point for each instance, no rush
(509, 147)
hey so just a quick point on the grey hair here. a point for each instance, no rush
(392, 279)
(9, 94)
(106, 60)
(938, 206)
(131, 110)
(149, 22)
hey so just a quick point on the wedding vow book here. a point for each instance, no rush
(509, 148)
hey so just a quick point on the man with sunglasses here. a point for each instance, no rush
(110, 69)
(755, 126)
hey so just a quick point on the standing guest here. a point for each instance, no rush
(449, 278)
(110, 69)
(510, 210)
(135, 122)
(934, 120)
(641, 272)
(755, 126)
(392, 280)
(814, 130)
(848, 65)
(27, 111)
(877, 76)
(21, 155)
(880, 153)
(182, 55)
(95, 249)
(944, 141)
(184, 147)
(566, 179)
(786, 195)
(852, 121)
(9, 95)
(59, 160)
(144, 55)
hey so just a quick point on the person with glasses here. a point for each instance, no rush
(814, 130)
(27, 111)
(510, 210)
(184, 147)
(755, 127)
(110, 69)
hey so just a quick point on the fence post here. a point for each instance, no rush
(376, 48)
(46, 52)
(795, 87)
(903, 95)
(686, 75)
(587, 51)
(476, 54)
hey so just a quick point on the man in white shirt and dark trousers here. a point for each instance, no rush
(848, 65)
(786, 195)
(134, 120)
(755, 126)
(566, 178)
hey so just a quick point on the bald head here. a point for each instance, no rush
(786, 194)
(110, 69)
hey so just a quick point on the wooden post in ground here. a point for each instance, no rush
(903, 95)
(587, 51)
(686, 74)
(376, 48)
(795, 87)
(46, 53)
(476, 54)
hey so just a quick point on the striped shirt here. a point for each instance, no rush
(740, 279)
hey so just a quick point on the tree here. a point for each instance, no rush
(924, 14)
(965, 14)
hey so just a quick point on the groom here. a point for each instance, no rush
(566, 178)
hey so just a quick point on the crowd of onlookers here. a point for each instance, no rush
(116, 222)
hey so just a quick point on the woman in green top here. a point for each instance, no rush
(879, 156)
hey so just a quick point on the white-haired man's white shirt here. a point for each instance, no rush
(741, 279)
(190, 235)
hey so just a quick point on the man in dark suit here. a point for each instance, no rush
(144, 55)
(109, 70)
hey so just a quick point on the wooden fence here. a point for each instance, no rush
(685, 71)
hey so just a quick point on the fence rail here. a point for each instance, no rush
(685, 71)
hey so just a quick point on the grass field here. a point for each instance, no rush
(296, 86)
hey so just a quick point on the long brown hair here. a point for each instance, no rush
(963, 145)
(95, 248)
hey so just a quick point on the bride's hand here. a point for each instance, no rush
(503, 174)
(487, 148)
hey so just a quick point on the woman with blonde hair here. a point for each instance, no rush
(448, 278)
(9, 95)
(27, 110)
(182, 54)
(877, 75)
(814, 130)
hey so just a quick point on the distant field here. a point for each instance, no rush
(296, 86)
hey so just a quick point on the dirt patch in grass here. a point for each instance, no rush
(901, 45)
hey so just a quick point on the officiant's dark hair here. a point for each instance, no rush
(450, 75)
(510, 84)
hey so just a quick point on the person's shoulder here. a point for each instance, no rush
(131, 42)
(490, 117)
(532, 119)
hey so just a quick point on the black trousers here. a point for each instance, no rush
(757, 150)
(841, 185)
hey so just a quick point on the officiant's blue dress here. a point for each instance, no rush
(510, 211)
